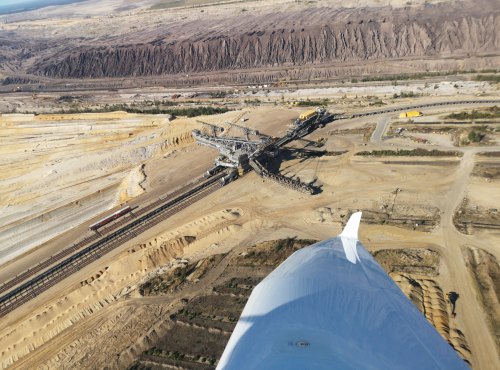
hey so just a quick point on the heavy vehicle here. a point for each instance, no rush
(233, 175)
(212, 171)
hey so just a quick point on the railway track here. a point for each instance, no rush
(132, 225)
(159, 211)
(417, 106)
(89, 239)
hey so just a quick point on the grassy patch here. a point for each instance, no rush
(489, 154)
(189, 112)
(492, 112)
(489, 78)
(310, 103)
(410, 153)
(475, 136)
(405, 94)
(419, 76)
(252, 101)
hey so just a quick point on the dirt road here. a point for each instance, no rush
(469, 312)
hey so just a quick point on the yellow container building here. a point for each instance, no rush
(308, 114)
(410, 114)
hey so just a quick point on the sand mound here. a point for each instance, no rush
(105, 286)
(429, 298)
(71, 167)
(131, 186)
(486, 272)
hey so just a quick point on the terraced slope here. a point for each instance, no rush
(309, 37)
(199, 331)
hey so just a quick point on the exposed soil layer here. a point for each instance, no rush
(459, 136)
(366, 131)
(404, 218)
(485, 269)
(488, 170)
(417, 261)
(199, 331)
(471, 217)
(489, 154)
(176, 277)
(98, 317)
(309, 37)
(410, 153)
(430, 299)
(413, 217)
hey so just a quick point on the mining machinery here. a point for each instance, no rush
(214, 128)
(247, 131)
(244, 154)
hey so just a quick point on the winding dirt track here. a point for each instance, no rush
(172, 302)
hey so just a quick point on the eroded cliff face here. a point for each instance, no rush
(332, 37)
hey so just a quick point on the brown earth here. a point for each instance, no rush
(199, 330)
(470, 218)
(263, 45)
(305, 38)
(366, 130)
(459, 136)
(486, 271)
(487, 170)
(417, 261)
(97, 317)
(411, 216)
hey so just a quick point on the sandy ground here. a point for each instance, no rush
(58, 171)
(75, 167)
(48, 34)
(172, 8)
(60, 327)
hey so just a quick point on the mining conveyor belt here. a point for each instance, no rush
(69, 260)
(280, 179)
(160, 210)
(414, 107)
(44, 264)
(289, 182)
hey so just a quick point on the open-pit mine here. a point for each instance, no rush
(158, 159)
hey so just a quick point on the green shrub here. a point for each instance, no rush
(419, 152)
(489, 78)
(475, 136)
(491, 112)
(189, 112)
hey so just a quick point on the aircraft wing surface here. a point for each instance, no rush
(331, 306)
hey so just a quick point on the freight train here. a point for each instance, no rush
(108, 219)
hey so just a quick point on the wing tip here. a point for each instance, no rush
(351, 228)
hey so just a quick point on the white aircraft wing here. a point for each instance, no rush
(331, 306)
